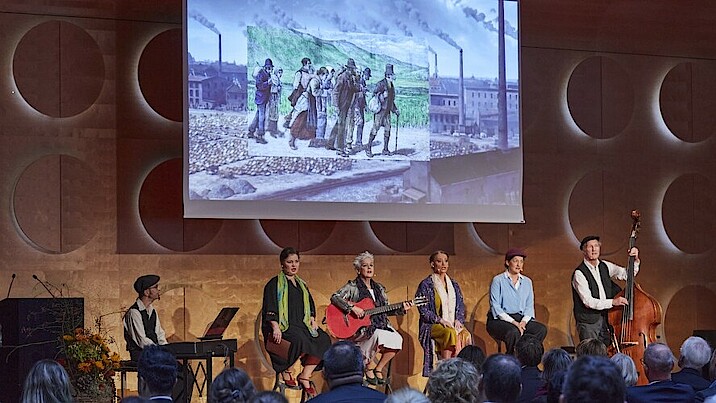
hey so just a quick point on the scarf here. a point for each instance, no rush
(447, 297)
(378, 321)
(282, 289)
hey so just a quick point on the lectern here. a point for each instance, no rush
(31, 331)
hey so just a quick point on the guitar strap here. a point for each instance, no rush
(378, 321)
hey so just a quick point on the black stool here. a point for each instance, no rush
(124, 367)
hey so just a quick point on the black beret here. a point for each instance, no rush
(587, 239)
(145, 282)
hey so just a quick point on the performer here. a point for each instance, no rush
(289, 313)
(141, 322)
(443, 316)
(512, 308)
(593, 291)
(142, 328)
(380, 335)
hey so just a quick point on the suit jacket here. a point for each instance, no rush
(352, 392)
(531, 381)
(690, 376)
(660, 391)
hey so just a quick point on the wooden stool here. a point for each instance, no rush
(124, 367)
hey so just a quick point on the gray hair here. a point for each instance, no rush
(358, 261)
(627, 368)
(454, 380)
(407, 395)
(47, 382)
(658, 358)
(695, 353)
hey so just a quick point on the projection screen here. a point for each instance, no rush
(353, 110)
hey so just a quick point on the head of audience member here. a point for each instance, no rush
(555, 360)
(529, 351)
(501, 378)
(627, 368)
(343, 364)
(591, 347)
(593, 378)
(232, 385)
(48, 382)
(658, 362)
(268, 396)
(473, 354)
(407, 395)
(454, 380)
(554, 386)
(134, 399)
(694, 353)
(156, 371)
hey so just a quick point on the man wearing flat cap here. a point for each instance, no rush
(343, 92)
(593, 290)
(512, 304)
(141, 322)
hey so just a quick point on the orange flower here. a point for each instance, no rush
(84, 366)
(99, 365)
(67, 338)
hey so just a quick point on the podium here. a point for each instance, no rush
(31, 331)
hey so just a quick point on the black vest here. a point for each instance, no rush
(582, 313)
(150, 329)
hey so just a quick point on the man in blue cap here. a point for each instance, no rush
(262, 96)
(141, 322)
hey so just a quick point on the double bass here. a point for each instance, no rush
(634, 325)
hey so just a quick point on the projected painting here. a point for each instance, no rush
(306, 104)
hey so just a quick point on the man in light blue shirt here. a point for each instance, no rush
(512, 308)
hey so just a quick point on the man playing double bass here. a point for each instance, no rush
(593, 291)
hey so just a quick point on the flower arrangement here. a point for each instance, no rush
(90, 363)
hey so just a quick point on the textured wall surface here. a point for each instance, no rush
(619, 112)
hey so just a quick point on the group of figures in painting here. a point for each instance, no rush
(313, 90)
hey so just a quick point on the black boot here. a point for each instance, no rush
(292, 143)
(260, 138)
(386, 137)
(369, 146)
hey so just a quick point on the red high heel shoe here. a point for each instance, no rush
(310, 389)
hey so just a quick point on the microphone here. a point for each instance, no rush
(10, 287)
(44, 285)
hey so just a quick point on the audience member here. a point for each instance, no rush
(711, 390)
(501, 378)
(343, 371)
(407, 395)
(627, 368)
(554, 388)
(47, 382)
(529, 353)
(268, 396)
(591, 347)
(593, 379)
(554, 361)
(454, 380)
(157, 373)
(694, 354)
(658, 363)
(474, 355)
(232, 385)
(135, 399)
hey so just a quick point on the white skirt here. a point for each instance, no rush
(380, 338)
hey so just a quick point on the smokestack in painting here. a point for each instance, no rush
(461, 98)
(219, 54)
(436, 64)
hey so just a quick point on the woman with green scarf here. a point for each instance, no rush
(289, 314)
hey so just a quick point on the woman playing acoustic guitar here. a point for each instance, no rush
(379, 336)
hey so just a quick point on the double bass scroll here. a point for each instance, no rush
(634, 324)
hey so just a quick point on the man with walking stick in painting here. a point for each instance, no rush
(385, 91)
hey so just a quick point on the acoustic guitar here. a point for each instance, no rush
(345, 325)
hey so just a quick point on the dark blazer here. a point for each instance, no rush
(690, 376)
(661, 391)
(352, 392)
(531, 381)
